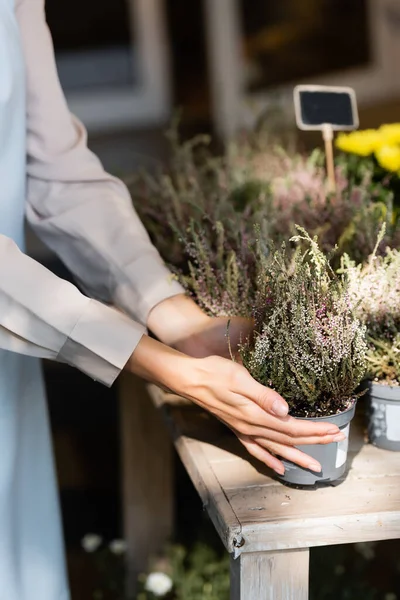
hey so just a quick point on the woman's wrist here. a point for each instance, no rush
(165, 366)
(176, 319)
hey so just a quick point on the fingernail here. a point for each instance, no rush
(314, 467)
(332, 431)
(279, 408)
(280, 471)
(339, 438)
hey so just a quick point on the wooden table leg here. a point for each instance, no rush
(147, 473)
(279, 575)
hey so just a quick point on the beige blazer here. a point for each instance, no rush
(85, 216)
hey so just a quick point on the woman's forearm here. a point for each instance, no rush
(175, 319)
(180, 323)
(157, 363)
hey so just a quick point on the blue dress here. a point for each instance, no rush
(31, 549)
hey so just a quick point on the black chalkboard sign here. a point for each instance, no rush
(319, 106)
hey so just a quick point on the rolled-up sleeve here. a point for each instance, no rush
(81, 212)
(42, 315)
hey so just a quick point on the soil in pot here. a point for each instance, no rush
(384, 415)
(332, 457)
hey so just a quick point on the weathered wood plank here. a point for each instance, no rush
(270, 576)
(371, 463)
(352, 497)
(280, 535)
(147, 474)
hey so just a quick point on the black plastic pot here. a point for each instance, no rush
(332, 457)
(384, 416)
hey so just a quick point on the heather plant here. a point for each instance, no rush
(255, 181)
(196, 187)
(350, 218)
(308, 344)
(222, 278)
(374, 289)
(223, 261)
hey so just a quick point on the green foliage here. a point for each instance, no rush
(350, 572)
(308, 346)
(198, 574)
(384, 359)
(201, 572)
(365, 170)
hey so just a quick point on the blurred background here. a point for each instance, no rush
(126, 66)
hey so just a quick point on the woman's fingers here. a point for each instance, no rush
(262, 449)
(261, 454)
(250, 420)
(295, 428)
(289, 453)
(282, 438)
(265, 451)
(272, 403)
(267, 399)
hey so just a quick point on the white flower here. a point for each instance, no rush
(158, 584)
(91, 542)
(118, 546)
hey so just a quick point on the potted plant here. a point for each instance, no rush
(256, 180)
(308, 346)
(375, 291)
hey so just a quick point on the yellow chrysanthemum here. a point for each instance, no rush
(389, 157)
(390, 133)
(363, 142)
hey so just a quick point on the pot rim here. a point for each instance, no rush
(383, 392)
(372, 382)
(330, 417)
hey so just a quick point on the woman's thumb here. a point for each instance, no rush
(269, 400)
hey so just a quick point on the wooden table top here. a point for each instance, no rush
(253, 511)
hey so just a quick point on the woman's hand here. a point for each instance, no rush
(257, 414)
(180, 323)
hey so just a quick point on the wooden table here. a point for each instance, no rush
(267, 527)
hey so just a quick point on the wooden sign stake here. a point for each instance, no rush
(327, 134)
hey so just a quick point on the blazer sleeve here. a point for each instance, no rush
(81, 212)
(42, 315)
